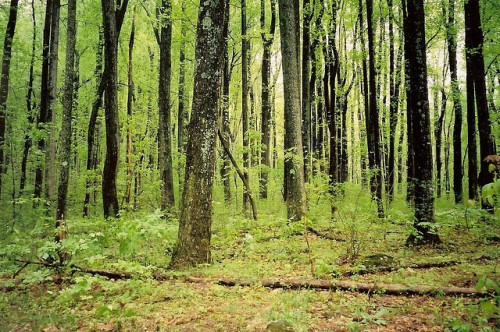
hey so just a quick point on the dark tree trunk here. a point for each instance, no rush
(66, 131)
(226, 131)
(374, 158)
(245, 45)
(366, 92)
(164, 126)
(471, 131)
(130, 105)
(306, 93)
(109, 194)
(451, 39)
(474, 49)
(438, 133)
(294, 171)
(267, 40)
(420, 116)
(193, 242)
(182, 113)
(4, 81)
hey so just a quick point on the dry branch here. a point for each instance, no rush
(393, 289)
(323, 235)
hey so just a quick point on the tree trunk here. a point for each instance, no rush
(294, 176)
(193, 241)
(374, 158)
(226, 131)
(130, 104)
(66, 130)
(267, 41)
(164, 126)
(471, 131)
(438, 133)
(451, 39)
(474, 49)
(182, 113)
(420, 116)
(306, 93)
(4, 81)
(109, 194)
(244, 97)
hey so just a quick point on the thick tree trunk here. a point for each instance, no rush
(130, 105)
(451, 40)
(193, 241)
(164, 126)
(267, 41)
(374, 158)
(471, 131)
(4, 81)
(420, 116)
(245, 45)
(294, 175)
(109, 194)
(66, 130)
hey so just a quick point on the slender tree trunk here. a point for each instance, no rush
(130, 105)
(226, 131)
(193, 242)
(438, 133)
(66, 131)
(164, 126)
(420, 116)
(267, 40)
(109, 194)
(471, 131)
(244, 98)
(366, 92)
(374, 157)
(306, 93)
(451, 39)
(294, 177)
(4, 81)
(182, 115)
(393, 107)
(474, 49)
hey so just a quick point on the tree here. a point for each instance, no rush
(109, 194)
(164, 38)
(130, 105)
(306, 93)
(193, 240)
(374, 158)
(294, 171)
(66, 131)
(245, 46)
(267, 41)
(4, 80)
(420, 117)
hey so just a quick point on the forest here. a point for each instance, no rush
(244, 165)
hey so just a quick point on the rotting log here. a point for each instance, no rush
(392, 289)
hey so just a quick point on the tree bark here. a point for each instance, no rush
(420, 117)
(306, 93)
(244, 97)
(226, 131)
(66, 130)
(109, 194)
(4, 81)
(267, 41)
(294, 171)
(164, 126)
(182, 112)
(130, 105)
(193, 241)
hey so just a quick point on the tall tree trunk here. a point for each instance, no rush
(130, 104)
(4, 81)
(474, 49)
(451, 39)
(294, 175)
(438, 133)
(267, 40)
(29, 106)
(226, 131)
(182, 113)
(306, 93)
(366, 92)
(109, 194)
(420, 116)
(66, 130)
(193, 241)
(471, 130)
(164, 126)
(374, 157)
(244, 97)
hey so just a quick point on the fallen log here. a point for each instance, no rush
(392, 289)
(323, 235)
(418, 266)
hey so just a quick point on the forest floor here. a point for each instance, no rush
(40, 298)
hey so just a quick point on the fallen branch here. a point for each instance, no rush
(426, 265)
(393, 289)
(323, 235)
